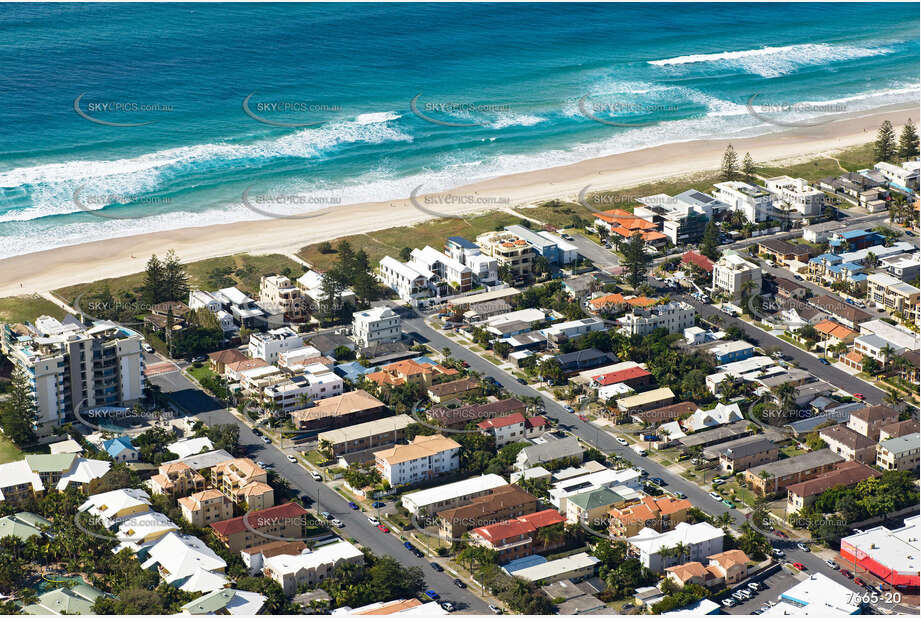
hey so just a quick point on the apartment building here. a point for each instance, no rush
(409, 283)
(868, 421)
(426, 457)
(72, 367)
(242, 480)
(285, 520)
(311, 285)
(176, 479)
(342, 410)
(441, 497)
(846, 474)
(903, 266)
(700, 539)
(898, 429)
(893, 295)
(510, 252)
(769, 479)
(270, 344)
(310, 567)
(246, 313)
(499, 505)
(899, 453)
(485, 269)
(519, 537)
(542, 246)
(744, 456)
(317, 382)
(903, 177)
(364, 436)
(660, 514)
(849, 444)
(674, 317)
(572, 329)
(732, 274)
(376, 325)
(681, 218)
(797, 194)
(205, 507)
(280, 293)
(752, 201)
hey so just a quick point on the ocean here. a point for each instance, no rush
(131, 118)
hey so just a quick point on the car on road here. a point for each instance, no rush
(729, 503)
(658, 481)
(824, 361)
(778, 553)
(383, 528)
(847, 574)
(718, 482)
(680, 495)
(832, 564)
(316, 476)
(266, 440)
(256, 432)
(147, 348)
(408, 545)
(495, 610)
(859, 581)
(465, 363)
(799, 566)
(199, 359)
(569, 408)
(729, 602)
(353, 506)
(716, 496)
(378, 504)
(459, 583)
(326, 515)
(802, 547)
(521, 380)
(337, 523)
(261, 464)
(373, 520)
(621, 441)
(418, 553)
(781, 534)
(909, 233)
(447, 606)
(291, 458)
(432, 595)
(437, 567)
(859, 396)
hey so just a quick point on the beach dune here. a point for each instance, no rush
(48, 270)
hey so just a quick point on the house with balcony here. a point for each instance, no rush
(279, 292)
(205, 507)
(176, 479)
(243, 481)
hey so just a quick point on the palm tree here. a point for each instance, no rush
(724, 520)
(681, 550)
(551, 535)
(893, 399)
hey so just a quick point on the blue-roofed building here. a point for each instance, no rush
(523, 563)
(352, 371)
(120, 449)
(542, 246)
(852, 240)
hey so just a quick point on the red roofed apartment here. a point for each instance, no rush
(408, 372)
(512, 428)
(519, 537)
(723, 569)
(285, 521)
(625, 225)
(633, 377)
(702, 261)
(662, 514)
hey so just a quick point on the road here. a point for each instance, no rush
(605, 442)
(602, 258)
(194, 401)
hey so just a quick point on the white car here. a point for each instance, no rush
(832, 564)
(316, 476)
(802, 547)
(729, 602)
(338, 523)
(716, 496)
(621, 441)
(147, 347)
(374, 521)
(778, 553)
(292, 458)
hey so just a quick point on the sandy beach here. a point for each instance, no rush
(48, 270)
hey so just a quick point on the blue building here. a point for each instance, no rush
(120, 449)
(542, 246)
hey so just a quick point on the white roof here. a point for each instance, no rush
(748, 365)
(18, 473)
(523, 315)
(182, 555)
(650, 542)
(310, 280)
(818, 595)
(235, 296)
(561, 243)
(612, 390)
(192, 446)
(729, 347)
(137, 527)
(897, 549)
(204, 581)
(65, 446)
(420, 499)
(84, 471)
(407, 271)
(722, 414)
(283, 564)
(702, 607)
(674, 430)
(107, 505)
(898, 335)
(375, 313)
(554, 568)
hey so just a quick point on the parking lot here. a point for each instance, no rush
(776, 583)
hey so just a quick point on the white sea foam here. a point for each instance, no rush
(510, 119)
(776, 61)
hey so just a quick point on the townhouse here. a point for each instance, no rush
(510, 428)
(205, 507)
(723, 569)
(659, 513)
(500, 504)
(376, 325)
(849, 444)
(269, 344)
(485, 268)
(768, 479)
(735, 275)
(700, 540)
(453, 389)
(450, 495)
(408, 372)
(893, 295)
(286, 521)
(515, 538)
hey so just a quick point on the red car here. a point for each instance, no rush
(847, 574)
(383, 528)
(859, 396)
(859, 581)
(799, 566)
(780, 534)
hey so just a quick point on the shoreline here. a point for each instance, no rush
(55, 268)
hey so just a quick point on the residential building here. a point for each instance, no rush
(568, 253)
(903, 177)
(899, 453)
(205, 507)
(752, 201)
(845, 474)
(254, 557)
(459, 417)
(58, 471)
(120, 449)
(782, 251)
(581, 360)
(246, 313)
(736, 276)
(627, 483)
(849, 315)
(510, 252)
(186, 562)
(700, 539)
(674, 317)
(410, 281)
(270, 344)
(454, 389)
(682, 218)
(278, 292)
(573, 329)
(549, 451)
(310, 567)
(867, 421)
(648, 400)
(849, 444)
(425, 458)
(625, 225)
(504, 429)
(340, 411)
(71, 367)
(176, 479)
(890, 555)
(664, 414)
(903, 266)
(114, 506)
(731, 566)
(753, 453)
(769, 479)
(485, 269)
(503, 503)
(226, 601)
(819, 233)
(898, 429)
(796, 194)
(318, 382)
(696, 573)
(697, 259)
(833, 334)
(731, 351)
(284, 520)
(575, 567)
(242, 480)
(659, 513)
(450, 495)
(79, 599)
(451, 276)
(311, 284)
(408, 372)
(364, 436)
(634, 377)
(892, 294)
(591, 507)
(896, 335)
(723, 569)
(519, 537)
(23, 526)
(721, 414)
(542, 246)
(376, 325)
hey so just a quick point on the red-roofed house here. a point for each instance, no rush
(633, 377)
(626, 224)
(512, 427)
(285, 521)
(522, 536)
(702, 261)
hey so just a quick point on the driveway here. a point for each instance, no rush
(600, 257)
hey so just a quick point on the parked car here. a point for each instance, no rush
(338, 523)
(266, 440)
(781, 534)
(291, 458)
(408, 545)
(437, 566)
(824, 361)
(373, 520)
(799, 566)
(326, 515)
(716, 496)
(859, 581)
(495, 610)
(778, 553)
(832, 564)
(847, 574)
(261, 464)
(680, 495)
(621, 441)
(383, 528)
(459, 583)
(859, 396)
(447, 606)
(432, 595)
(802, 547)
(199, 359)
(729, 503)
(316, 476)
(353, 506)
(521, 380)
(718, 482)
(754, 586)
(659, 481)
(418, 553)
(378, 504)
(147, 348)
(729, 602)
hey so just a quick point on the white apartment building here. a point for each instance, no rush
(243, 308)
(199, 299)
(574, 328)
(797, 194)
(754, 202)
(674, 316)
(279, 292)
(409, 283)
(376, 325)
(269, 344)
(485, 269)
(732, 271)
(445, 268)
(899, 453)
(75, 367)
(903, 176)
(891, 294)
(317, 382)
(311, 566)
(424, 458)
(311, 283)
(701, 540)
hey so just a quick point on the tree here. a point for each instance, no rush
(884, 147)
(709, 245)
(636, 260)
(908, 142)
(748, 168)
(175, 278)
(18, 411)
(154, 288)
(405, 254)
(730, 165)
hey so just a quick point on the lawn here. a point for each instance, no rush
(241, 270)
(558, 213)
(27, 308)
(200, 373)
(8, 451)
(391, 241)
(852, 159)
(792, 450)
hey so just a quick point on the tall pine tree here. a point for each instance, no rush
(18, 411)
(908, 142)
(153, 280)
(730, 166)
(175, 278)
(709, 245)
(748, 168)
(636, 260)
(884, 147)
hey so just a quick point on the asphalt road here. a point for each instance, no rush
(602, 258)
(195, 402)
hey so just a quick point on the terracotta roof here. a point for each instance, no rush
(607, 299)
(422, 446)
(833, 329)
(259, 519)
(243, 365)
(243, 467)
(454, 387)
(642, 301)
(542, 519)
(623, 375)
(730, 558)
(846, 474)
(854, 356)
(230, 355)
(526, 524)
(340, 405)
(846, 436)
(466, 414)
(391, 607)
(193, 502)
(256, 488)
(502, 421)
(650, 508)
(686, 571)
(536, 421)
(667, 413)
(692, 257)
(277, 548)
